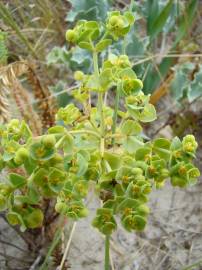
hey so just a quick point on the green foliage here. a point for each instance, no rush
(165, 21)
(171, 14)
(88, 9)
(158, 22)
(101, 144)
(183, 86)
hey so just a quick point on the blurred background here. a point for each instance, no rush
(36, 78)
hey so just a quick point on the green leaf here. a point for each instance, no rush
(113, 160)
(179, 84)
(161, 147)
(128, 203)
(56, 179)
(148, 114)
(17, 180)
(131, 127)
(63, 98)
(85, 45)
(105, 78)
(160, 20)
(139, 223)
(33, 195)
(82, 164)
(30, 165)
(80, 59)
(103, 44)
(81, 188)
(175, 144)
(34, 219)
(152, 11)
(136, 46)
(88, 10)
(68, 144)
(153, 77)
(195, 87)
(142, 153)
(56, 129)
(108, 228)
(15, 218)
(129, 16)
(131, 144)
(39, 177)
(127, 72)
(93, 83)
(127, 222)
(58, 56)
(39, 152)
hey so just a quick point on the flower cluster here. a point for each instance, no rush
(101, 145)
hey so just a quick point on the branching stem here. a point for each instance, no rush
(100, 94)
(117, 98)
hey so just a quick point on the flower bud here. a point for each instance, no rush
(34, 219)
(49, 141)
(61, 207)
(113, 20)
(12, 218)
(57, 158)
(159, 184)
(71, 36)
(120, 23)
(146, 189)
(143, 209)
(178, 181)
(79, 75)
(139, 223)
(21, 155)
(164, 173)
(189, 143)
(83, 213)
(194, 173)
(137, 171)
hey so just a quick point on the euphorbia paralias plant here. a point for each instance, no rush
(101, 144)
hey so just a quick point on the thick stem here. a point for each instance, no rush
(107, 257)
(117, 98)
(100, 94)
(100, 109)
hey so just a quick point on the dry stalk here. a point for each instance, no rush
(4, 105)
(25, 107)
(45, 104)
(9, 79)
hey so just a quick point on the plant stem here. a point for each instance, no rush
(100, 108)
(117, 98)
(107, 257)
(100, 94)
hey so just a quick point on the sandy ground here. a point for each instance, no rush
(172, 239)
